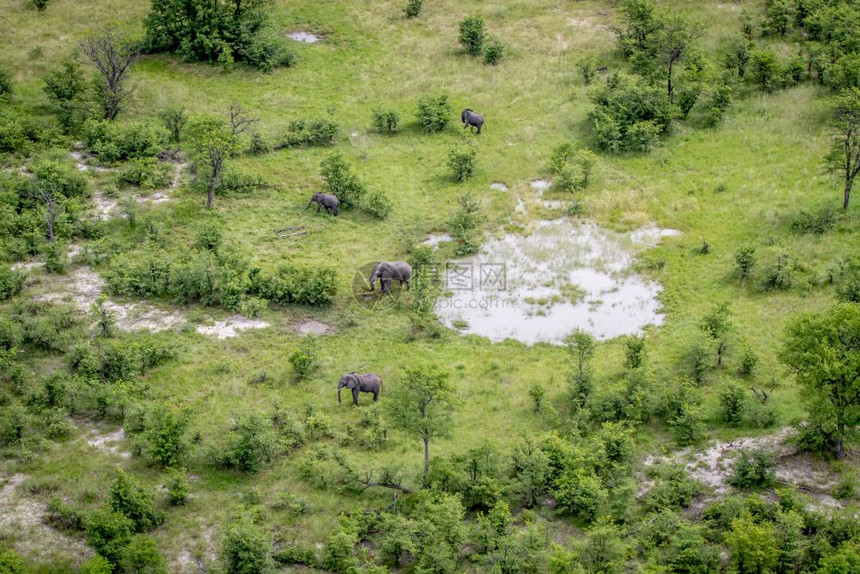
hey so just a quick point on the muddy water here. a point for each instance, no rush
(565, 274)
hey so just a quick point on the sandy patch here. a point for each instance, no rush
(21, 519)
(540, 185)
(713, 465)
(107, 442)
(303, 36)
(434, 239)
(105, 207)
(315, 327)
(498, 186)
(231, 327)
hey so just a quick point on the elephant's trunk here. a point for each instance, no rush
(373, 275)
(309, 205)
(339, 387)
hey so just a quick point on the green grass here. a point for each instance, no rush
(766, 153)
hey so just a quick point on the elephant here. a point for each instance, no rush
(470, 118)
(367, 383)
(387, 271)
(330, 202)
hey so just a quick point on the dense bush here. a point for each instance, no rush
(301, 284)
(246, 548)
(629, 115)
(177, 487)
(818, 222)
(462, 159)
(385, 120)
(141, 555)
(305, 359)
(120, 359)
(113, 142)
(494, 51)
(778, 272)
(165, 435)
(146, 173)
(11, 282)
(222, 32)
(413, 8)
(472, 35)
(340, 181)
(313, 132)
(41, 4)
(467, 225)
(5, 84)
(174, 119)
(250, 446)
(66, 89)
(572, 168)
(134, 502)
(753, 469)
(108, 533)
(434, 112)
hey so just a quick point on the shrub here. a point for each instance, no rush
(177, 487)
(376, 203)
(745, 260)
(68, 181)
(753, 469)
(40, 4)
(467, 225)
(581, 494)
(779, 273)
(108, 533)
(818, 222)
(246, 548)
(494, 51)
(209, 236)
(434, 112)
(133, 501)
(339, 180)
(314, 132)
(413, 8)
(251, 444)
(141, 555)
(385, 120)
(113, 142)
(11, 282)
(145, 173)
(719, 102)
(234, 181)
(629, 114)
(537, 392)
(5, 84)
(462, 159)
(65, 89)
(472, 35)
(765, 69)
(305, 359)
(733, 398)
(174, 119)
(587, 69)
(259, 145)
(165, 435)
(267, 50)
(302, 284)
(749, 360)
(571, 167)
(96, 565)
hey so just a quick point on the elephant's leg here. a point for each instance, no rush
(376, 395)
(407, 284)
(334, 210)
(355, 396)
(318, 207)
(479, 130)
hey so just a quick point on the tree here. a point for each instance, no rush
(675, 39)
(423, 405)
(112, 53)
(246, 549)
(823, 350)
(844, 157)
(752, 546)
(65, 88)
(213, 143)
(47, 193)
(580, 346)
(716, 324)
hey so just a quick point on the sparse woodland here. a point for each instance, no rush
(174, 317)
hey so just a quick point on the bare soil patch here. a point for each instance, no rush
(231, 327)
(315, 327)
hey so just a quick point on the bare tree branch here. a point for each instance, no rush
(239, 121)
(111, 53)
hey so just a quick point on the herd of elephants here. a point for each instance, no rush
(383, 271)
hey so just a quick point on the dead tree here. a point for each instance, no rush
(239, 120)
(112, 54)
(46, 192)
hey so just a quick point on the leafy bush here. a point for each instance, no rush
(818, 222)
(209, 235)
(472, 35)
(745, 260)
(766, 70)
(434, 112)
(413, 8)
(733, 398)
(753, 469)
(239, 182)
(216, 32)
(376, 203)
(69, 182)
(141, 555)
(177, 487)
(580, 493)
(297, 283)
(66, 89)
(174, 119)
(11, 282)
(314, 132)
(133, 501)
(165, 435)
(251, 444)
(40, 4)
(246, 548)
(108, 533)
(5, 84)
(340, 181)
(259, 146)
(629, 115)
(145, 173)
(462, 159)
(779, 272)
(305, 359)
(571, 167)
(494, 51)
(385, 120)
(114, 142)
(467, 225)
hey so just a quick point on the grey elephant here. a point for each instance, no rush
(330, 202)
(367, 383)
(388, 271)
(470, 119)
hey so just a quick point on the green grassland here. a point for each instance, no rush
(738, 184)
